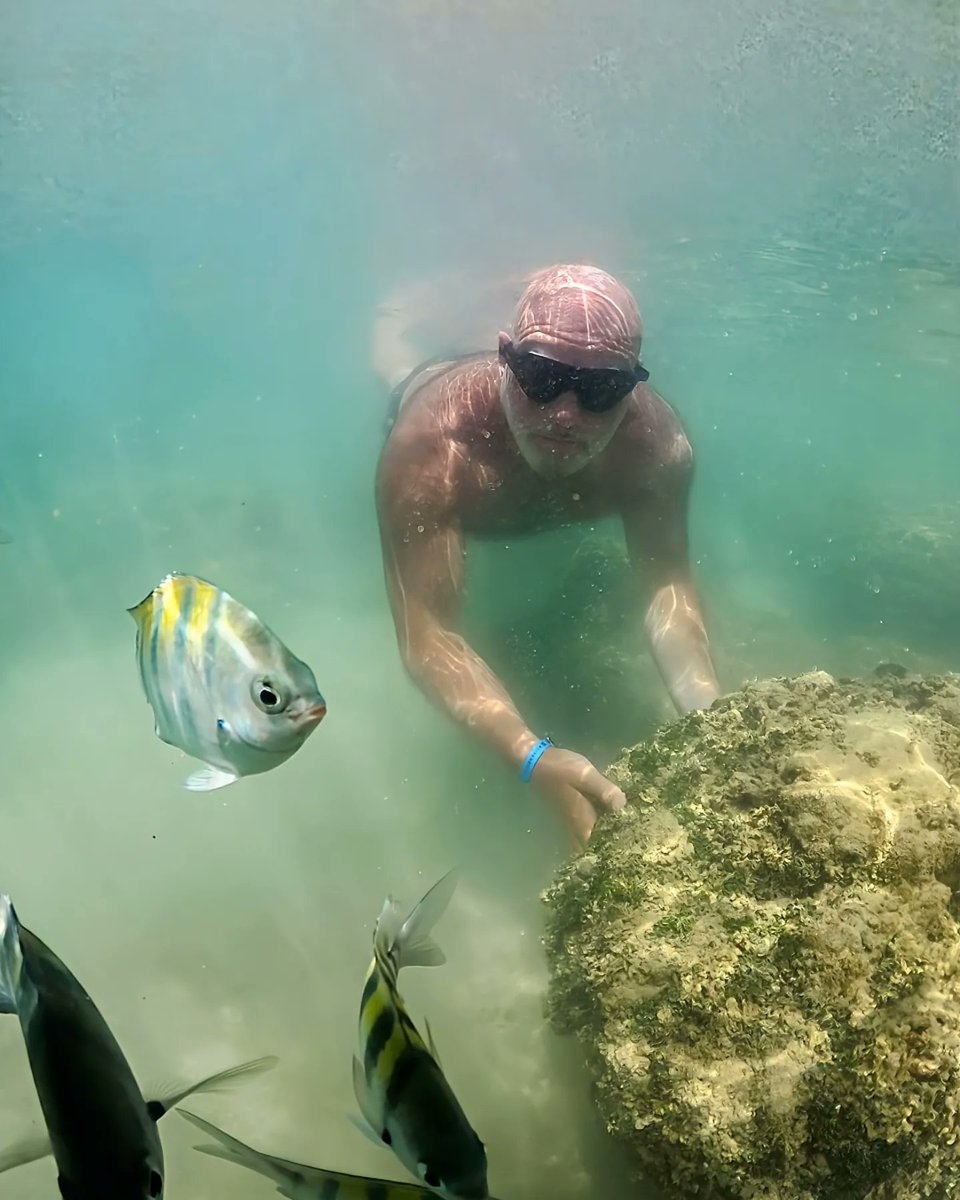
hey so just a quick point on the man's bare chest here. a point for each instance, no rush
(494, 502)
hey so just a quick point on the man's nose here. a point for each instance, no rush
(564, 409)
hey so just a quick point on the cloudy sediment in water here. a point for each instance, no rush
(201, 211)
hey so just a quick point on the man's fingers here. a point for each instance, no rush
(581, 817)
(578, 813)
(601, 791)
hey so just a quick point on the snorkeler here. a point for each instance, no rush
(556, 427)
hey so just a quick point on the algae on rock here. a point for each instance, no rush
(760, 953)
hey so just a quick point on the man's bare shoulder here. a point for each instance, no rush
(449, 396)
(442, 413)
(653, 432)
(651, 453)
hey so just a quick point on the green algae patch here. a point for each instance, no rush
(760, 953)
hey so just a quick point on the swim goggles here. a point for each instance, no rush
(543, 379)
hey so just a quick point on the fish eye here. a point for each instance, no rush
(156, 1185)
(268, 696)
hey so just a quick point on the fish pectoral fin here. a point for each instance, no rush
(208, 779)
(362, 1094)
(28, 1150)
(170, 1096)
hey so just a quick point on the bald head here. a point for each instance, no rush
(581, 310)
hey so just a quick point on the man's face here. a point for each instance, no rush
(559, 438)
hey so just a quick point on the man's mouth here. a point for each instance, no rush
(557, 441)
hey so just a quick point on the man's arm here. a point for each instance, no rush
(423, 558)
(655, 525)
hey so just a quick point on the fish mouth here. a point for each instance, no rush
(314, 714)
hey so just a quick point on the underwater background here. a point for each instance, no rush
(202, 207)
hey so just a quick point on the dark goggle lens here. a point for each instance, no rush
(603, 392)
(598, 389)
(542, 379)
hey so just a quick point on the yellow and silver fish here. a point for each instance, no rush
(402, 1092)
(102, 1131)
(222, 686)
(299, 1182)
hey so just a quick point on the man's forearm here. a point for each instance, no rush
(680, 646)
(456, 678)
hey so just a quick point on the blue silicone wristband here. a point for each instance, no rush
(533, 758)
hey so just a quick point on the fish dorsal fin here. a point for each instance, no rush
(143, 612)
(170, 1096)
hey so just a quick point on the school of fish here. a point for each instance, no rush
(102, 1131)
(225, 690)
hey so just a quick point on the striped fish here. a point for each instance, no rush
(299, 1182)
(222, 686)
(101, 1131)
(402, 1092)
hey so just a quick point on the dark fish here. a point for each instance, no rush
(102, 1132)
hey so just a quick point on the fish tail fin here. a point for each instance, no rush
(233, 1150)
(171, 1096)
(11, 956)
(226, 1146)
(410, 943)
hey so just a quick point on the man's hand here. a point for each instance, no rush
(574, 786)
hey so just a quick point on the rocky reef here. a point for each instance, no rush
(760, 955)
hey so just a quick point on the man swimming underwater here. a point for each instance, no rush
(558, 426)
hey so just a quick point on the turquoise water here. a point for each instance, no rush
(201, 207)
